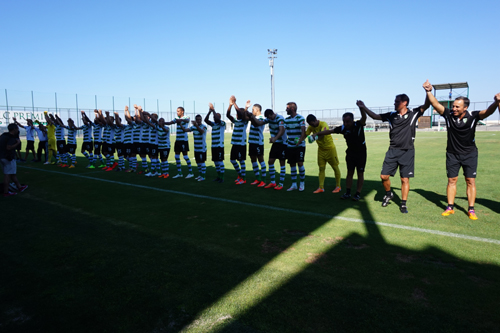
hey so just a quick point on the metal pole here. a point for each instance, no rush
(76, 95)
(32, 102)
(272, 53)
(6, 100)
(113, 104)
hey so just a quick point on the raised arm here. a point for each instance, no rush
(362, 107)
(489, 111)
(210, 110)
(201, 130)
(118, 122)
(16, 122)
(256, 122)
(232, 101)
(126, 112)
(47, 118)
(432, 100)
(362, 121)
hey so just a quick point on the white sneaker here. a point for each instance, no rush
(179, 175)
(155, 174)
(149, 174)
(200, 179)
(293, 187)
(197, 178)
(47, 162)
(302, 186)
(189, 176)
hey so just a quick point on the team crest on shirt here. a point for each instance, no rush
(465, 120)
(405, 116)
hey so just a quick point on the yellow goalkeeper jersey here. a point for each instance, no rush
(324, 142)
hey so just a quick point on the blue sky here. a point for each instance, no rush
(329, 53)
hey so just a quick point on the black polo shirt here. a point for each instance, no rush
(461, 132)
(402, 128)
(354, 137)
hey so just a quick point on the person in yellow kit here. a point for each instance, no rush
(51, 135)
(327, 152)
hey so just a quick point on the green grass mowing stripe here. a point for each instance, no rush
(430, 231)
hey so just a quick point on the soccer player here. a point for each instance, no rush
(461, 150)
(181, 142)
(88, 145)
(97, 133)
(401, 153)
(238, 139)
(256, 146)
(41, 132)
(71, 146)
(152, 121)
(51, 135)
(128, 141)
(108, 137)
(61, 142)
(278, 149)
(218, 129)
(355, 158)
(163, 147)
(327, 152)
(295, 146)
(200, 146)
(30, 146)
(141, 135)
(118, 142)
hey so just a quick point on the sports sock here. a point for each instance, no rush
(471, 208)
(73, 159)
(358, 193)
(255, 167)
(263, 170)
(133, 163)
(222, 169)
(217, 166)
(450, 206)
(388, 193)
(236, 166)
(337, 175)
(272, 173)
(403, 202)
(144, 163)
(188, 162)
(282, 174)
(203, 170)
(178, 162)
(302, 173)
(121, 162)
(293, 173)
(243, 169)
(86, 155)
(164, 167)
(91, 158)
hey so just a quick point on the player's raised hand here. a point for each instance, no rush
(427, 86)
(232, 100)
(248, 104)
(497, 97)
(126, 107)
(193, 122)
(211, 107)
(135, 106)
(360, 104)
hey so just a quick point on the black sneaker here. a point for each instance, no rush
(221, 180)
(216, 179)
(386, 199)
(403, 209)
(345, 196)
(356, 197)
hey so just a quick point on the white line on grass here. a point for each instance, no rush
(390, 225)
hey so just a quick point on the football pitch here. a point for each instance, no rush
(92, 251)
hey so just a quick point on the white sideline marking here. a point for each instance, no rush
(390, 225)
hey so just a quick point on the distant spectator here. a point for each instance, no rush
(8, 143)
(43, 143)
(30, 146)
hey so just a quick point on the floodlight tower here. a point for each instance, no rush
(272, 54)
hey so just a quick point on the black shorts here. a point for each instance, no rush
(255, 150)
(20, 145)
(71, 148)
(109, 148)
(181, 147)
(200, 157)
(278, 151)
(217, 154)
(61, 146)
(30, 145)
(153, 151)
(164, 152)
(128, 149)
(145, 149)
(468, 162)
(238, 153)
(356, 160)
(136, 148)
(402, 158)
(120, 151)
(97, 147)
(295, 155)
(87, 146)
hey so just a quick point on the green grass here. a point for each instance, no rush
(82, 254)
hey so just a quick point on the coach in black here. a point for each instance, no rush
(401, 153)
(461, 150)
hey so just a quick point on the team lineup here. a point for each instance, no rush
(147, 136)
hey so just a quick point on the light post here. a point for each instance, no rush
(272, 54)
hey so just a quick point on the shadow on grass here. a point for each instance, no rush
(139, 260)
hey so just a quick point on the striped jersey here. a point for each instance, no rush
(118, 134)
(256, 134)
(59, 133)
(144, 132)
(163, 137)
(87, 132)
(71, 135)
(274, 127)
(108, 133)
(180, 134)
(200, 139)
(293, 127)
(136, 133)
(239, 137)
(218, 134)
(98, 132)
(128, 131)
(153, 135)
